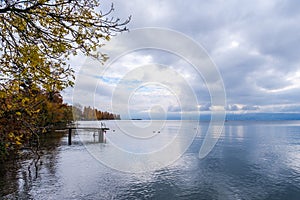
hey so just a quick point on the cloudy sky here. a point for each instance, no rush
(253, 44)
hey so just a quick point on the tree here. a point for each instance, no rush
(90, 113)
(77, 112)
(38, 37)
(25, 113)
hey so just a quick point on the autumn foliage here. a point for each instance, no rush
(26, 113)
(89, 113)
(37, 38)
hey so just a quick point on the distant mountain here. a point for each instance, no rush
(259, 116)
(264, 116)
(251, 117)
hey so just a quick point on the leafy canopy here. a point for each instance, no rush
(38, 36)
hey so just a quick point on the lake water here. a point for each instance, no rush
(252, 160)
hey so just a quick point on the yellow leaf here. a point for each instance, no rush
(2, 94)
(18, 143)
(18, 113)
(25, 100)
(11, 135)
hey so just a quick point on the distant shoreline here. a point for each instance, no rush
(237, 117)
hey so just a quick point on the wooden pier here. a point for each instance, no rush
(101, 132)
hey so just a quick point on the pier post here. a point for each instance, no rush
(101, 135)
(70, 137)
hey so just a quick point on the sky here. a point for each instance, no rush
(254, 46)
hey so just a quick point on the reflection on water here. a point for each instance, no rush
(252, 160)
(17, 178)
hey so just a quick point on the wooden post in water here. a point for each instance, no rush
(70, 137)
(101, 135)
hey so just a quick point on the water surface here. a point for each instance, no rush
(252, 160)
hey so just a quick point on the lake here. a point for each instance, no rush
(251, 160)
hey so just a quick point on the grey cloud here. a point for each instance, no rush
(250, 107)
(268, 39)
(272, 81)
